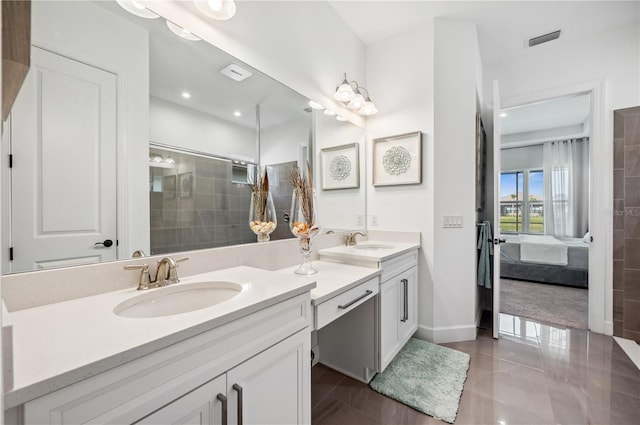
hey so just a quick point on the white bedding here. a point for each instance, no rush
(543, 249)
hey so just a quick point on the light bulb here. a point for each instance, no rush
(368, 108)
(215, 5)
(344, 92)
(356, 102)
(170, 160)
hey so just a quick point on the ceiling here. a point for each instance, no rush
(503, 26)
(550, 114)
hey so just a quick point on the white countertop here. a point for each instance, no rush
(59, 344)
(334, 278)
(362, 255)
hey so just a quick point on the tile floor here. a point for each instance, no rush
(534, 374)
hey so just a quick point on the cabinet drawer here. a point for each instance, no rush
(337, 306)
(397, 265)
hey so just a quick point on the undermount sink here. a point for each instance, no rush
(372, 246)
(178, 298)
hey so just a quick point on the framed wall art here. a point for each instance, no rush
(169, 187)
(185, 180)
(397, 160)
(340, 168)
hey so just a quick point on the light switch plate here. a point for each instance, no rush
(452, 221)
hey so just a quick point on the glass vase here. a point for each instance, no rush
(262, 215)
(304, 226)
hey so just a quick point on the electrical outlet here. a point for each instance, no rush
(360, 220)
(452, 221)
(374, 220)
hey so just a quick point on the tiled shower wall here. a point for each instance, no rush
(195, 204)
(626, 224)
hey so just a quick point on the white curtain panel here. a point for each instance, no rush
(566, 188)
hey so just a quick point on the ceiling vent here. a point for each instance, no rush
(236, 72)
(544, 38)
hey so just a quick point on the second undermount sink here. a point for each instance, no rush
(372, 246)
(177, 298)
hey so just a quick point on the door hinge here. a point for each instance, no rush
(11, 254)
(10, 161)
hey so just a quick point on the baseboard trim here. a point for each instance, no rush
(447, 334)
(608, 327)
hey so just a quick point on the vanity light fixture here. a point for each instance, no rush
(217, 9)
(351, 93)
(179, 31)
(170, 160)
(137, 9)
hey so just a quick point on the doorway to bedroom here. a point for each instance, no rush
(544, 211)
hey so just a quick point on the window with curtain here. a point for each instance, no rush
(566, 189)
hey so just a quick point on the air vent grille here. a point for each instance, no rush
(236, 72)
(544, 38)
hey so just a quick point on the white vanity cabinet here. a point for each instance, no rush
(259, 364)
(266, 389)
(398, 305)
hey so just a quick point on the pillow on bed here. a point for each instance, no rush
(587, 238)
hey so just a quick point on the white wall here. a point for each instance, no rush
(436, 67)
(85, 32)
(400, 73)
(455, 302)
(339, 209)
(546, 135)
(174, 125)
(282, 142)
(612, 57)
(521, 158)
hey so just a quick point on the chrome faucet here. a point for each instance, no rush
(167, 273)
(351, 238)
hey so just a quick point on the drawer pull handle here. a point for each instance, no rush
(238, 389)
(352, 302)
(405, 287)
(223, 400)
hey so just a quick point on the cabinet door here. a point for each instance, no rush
(202, 406)
(408, 304)
(389, 317)
(274, 386)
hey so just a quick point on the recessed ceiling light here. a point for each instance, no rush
(329, 112)
(503, 114)
(186, 94)
(179, 31)
(237, 114)
(137, 9)
(315, 105)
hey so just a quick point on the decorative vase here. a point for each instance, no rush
(304, 226)
(262, 215)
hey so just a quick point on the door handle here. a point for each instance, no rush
(106, 243)
(405, 287)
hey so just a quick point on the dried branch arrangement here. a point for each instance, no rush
(303, 186)
(260, 193)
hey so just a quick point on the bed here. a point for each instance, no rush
(545, 259)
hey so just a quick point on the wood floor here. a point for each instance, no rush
(534, 374)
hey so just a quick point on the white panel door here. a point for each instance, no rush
(496, 209)
(206, 405)
(271, 388)
(63, 144)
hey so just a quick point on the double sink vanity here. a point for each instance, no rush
(226, 346)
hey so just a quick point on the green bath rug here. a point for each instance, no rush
(427, 377)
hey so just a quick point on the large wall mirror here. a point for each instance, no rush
(127, 136)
